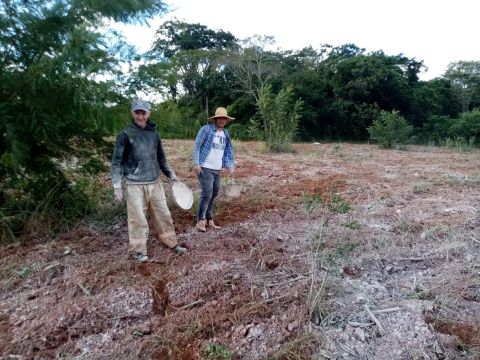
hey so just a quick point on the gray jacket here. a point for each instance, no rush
(139, 156)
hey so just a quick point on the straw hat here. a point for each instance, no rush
(221, 112)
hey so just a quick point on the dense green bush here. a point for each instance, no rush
(175, 122)
(242, 132)
(390, 128)
(436, 129)
(40, 203)
(461, 133)
(467, 126)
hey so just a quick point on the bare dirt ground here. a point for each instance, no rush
(337, 251)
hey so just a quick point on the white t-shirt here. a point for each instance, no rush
(215, 156)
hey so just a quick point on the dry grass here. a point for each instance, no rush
(402, 233)
(302, 347)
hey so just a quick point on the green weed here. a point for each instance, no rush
(344, 250)
(352, 225)
(311, 202)
(380, 243)
(341, 252)
(316, 240)
(24, 272)
(217, 351)
(338, 205)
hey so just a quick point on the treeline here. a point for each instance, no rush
(344, 89)
(64, 90)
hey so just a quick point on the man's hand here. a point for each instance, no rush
(197, 169)
(231, 171)
(118, 193)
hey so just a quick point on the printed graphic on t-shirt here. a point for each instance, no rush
(219, 142)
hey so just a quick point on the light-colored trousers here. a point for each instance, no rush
(143, 199)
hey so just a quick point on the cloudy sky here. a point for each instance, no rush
(437, 32)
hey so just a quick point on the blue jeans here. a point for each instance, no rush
(210, 185)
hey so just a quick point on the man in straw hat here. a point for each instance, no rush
(212, 152)
(138, 158)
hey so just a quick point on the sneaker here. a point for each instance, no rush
(139, 257)
(179, 249)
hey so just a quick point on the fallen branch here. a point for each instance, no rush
(274, 299)
(120, 317)
(357, 324)
(375, 320)
(52, 266)
(345, 348)
(381, 311)
(193, 304)
(411, 259)
(288, 281)
(85, 290)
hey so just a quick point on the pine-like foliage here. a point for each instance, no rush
(51, 104)
(280, 116)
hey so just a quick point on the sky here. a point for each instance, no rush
(436, 31)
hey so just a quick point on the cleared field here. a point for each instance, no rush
(337, 251)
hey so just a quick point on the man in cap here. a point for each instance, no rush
(138, 158)
(212, 152)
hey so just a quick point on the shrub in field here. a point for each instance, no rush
(467, 127)
(390, 128)
(44, 201)
(338, 205)
(460, 143)
(279, 118)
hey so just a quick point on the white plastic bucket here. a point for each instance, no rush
(232, 190)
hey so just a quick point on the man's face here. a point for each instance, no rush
(140, 117)
(220, 122)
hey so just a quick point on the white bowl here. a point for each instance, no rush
(182, 195)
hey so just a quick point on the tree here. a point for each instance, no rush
(372, 79)
(465, 77)
(433, 99)
(177, 36)
(51, 105)
(363, 83)
(187, 57)
(252, 67)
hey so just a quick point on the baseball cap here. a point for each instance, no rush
(140, 104)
